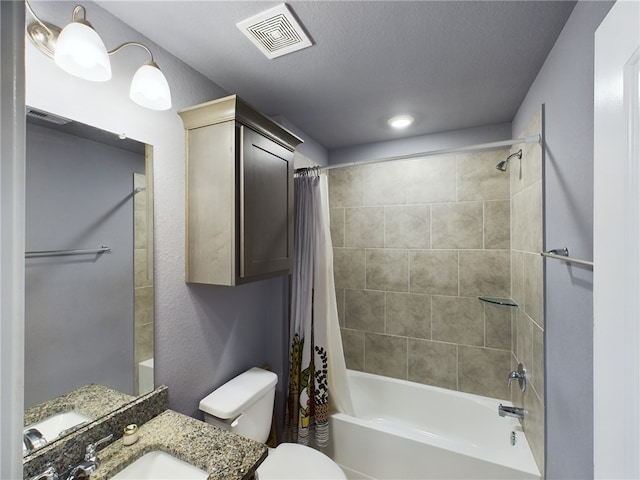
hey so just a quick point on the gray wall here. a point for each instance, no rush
(78, 309)
(204, 335)
(565, 86)
(422, 143)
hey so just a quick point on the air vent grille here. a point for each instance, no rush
(48, 117)
(275, 32)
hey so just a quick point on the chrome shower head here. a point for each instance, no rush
(502, 166)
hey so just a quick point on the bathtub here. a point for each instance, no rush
(404, 430)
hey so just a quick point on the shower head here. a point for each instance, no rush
(502, 166)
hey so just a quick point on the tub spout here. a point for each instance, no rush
(511, 411)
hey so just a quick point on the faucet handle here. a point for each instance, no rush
(520, 375)
(49, 474)
(90, 453)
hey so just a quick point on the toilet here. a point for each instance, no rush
(244, 405)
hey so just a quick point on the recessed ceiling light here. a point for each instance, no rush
(400, 121)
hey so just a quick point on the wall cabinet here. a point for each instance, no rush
(239, 193)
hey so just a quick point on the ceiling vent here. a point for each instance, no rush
(275, 32)
(48, 117)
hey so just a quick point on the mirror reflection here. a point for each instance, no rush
(88, 273)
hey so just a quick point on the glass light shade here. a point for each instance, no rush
(81, 52)
(150, 89)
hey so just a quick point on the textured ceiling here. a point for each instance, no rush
(451, 64)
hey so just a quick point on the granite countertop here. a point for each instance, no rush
(93, 401)
(225, 455)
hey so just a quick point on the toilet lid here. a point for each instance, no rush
(293, 461)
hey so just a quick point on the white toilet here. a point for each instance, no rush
(244, 405)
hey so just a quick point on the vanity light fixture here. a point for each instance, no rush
(400, 121)
(78, 50)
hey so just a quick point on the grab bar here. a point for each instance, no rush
(57, 253)
(563, 254)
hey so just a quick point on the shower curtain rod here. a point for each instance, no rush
(470, 148)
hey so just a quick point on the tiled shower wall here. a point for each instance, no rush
(415, 243)
(143, 273)
(527, 284)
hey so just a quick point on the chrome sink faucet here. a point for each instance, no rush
(33, 439)
(90, 463)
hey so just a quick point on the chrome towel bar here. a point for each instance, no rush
(563, 255)
(57, 253)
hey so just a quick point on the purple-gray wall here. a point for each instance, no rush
(565, 86)
(78, 308)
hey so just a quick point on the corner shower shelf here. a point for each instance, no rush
(507, 302)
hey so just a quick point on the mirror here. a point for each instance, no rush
(88, 270)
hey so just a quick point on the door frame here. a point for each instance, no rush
(616, 285)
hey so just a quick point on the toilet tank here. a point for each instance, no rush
(244, 404)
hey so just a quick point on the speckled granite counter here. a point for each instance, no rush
(224, 455)
(92, 401)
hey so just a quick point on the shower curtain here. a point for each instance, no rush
(317, 371)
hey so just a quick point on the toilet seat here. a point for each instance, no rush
(298, 462)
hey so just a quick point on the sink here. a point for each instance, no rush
(51, 427)
(159, 465)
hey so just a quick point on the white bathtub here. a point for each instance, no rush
(404, 430)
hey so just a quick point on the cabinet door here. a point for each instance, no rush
(266, 206)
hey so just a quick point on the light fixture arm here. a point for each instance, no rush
(76, 10)
(37, 19)
(131, 44)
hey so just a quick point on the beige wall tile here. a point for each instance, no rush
(385, 184)
(143, 277)
(497, 224)
(483, 371)
(533, 287)
(485, 272)
(340, 305)
(457, 320)
(537, 364)
(497, 326)
(456, 225)
(143, 305)
(387, 270)
(364, 310)
(514, 331)
(517, 277)
(526, 219)
(385, 355)
(353, 346)
(346, 187)
(433, 363)
(528, 170)
(478, 178)
(534, 427)
(408, 315)
(364, 227)
(348, 267)
(407, 226)
(524, 344)
(140, 229)
(431, 180)
(336, 219)
(433, 272)
(144, 342)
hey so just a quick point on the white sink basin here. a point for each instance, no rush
(51, 427)
(160, 466)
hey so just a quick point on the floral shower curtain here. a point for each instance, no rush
(317, 369)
